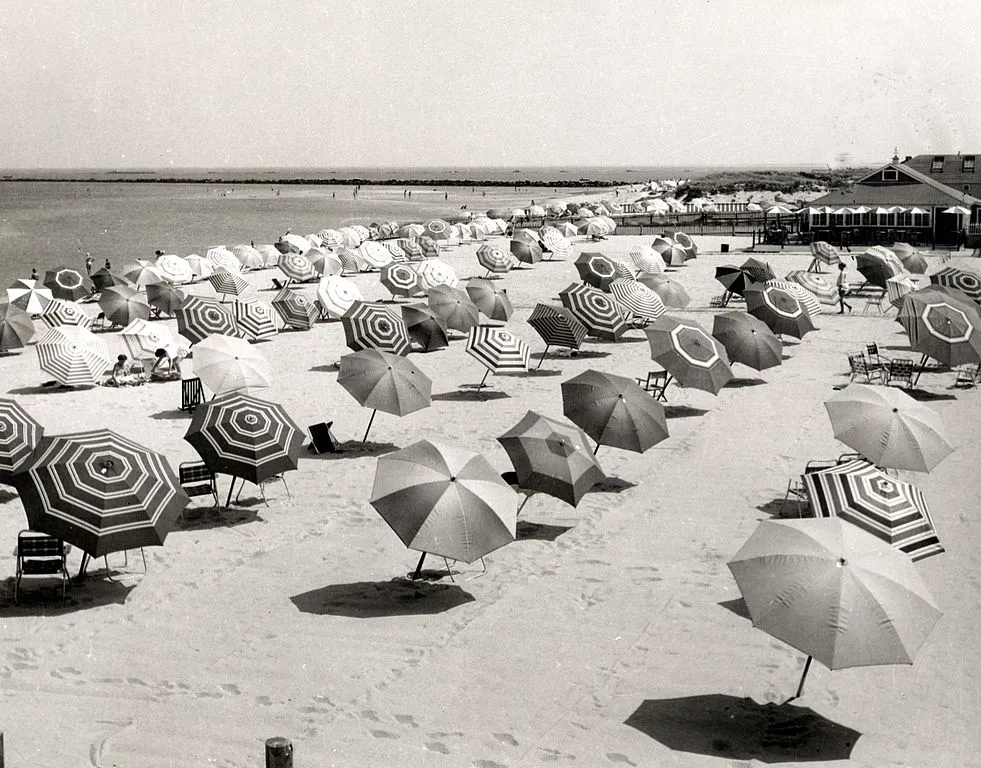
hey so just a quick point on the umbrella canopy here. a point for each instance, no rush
(613, 410)
(914, 262)
(398, 252)
(401, 279)
(835, 592)
(444, 500)
(494, 259)
(598, 311)
(412, 249)
(230, 364)
(825, 253)
(19, 435)
(687, 243)
(689, 354)
(552, 457)
(297, 243)
(430, 247)
(673, 253)
(807, 299)
(888, 427)
(498, 349)
(200, 316)
(201, 266)
(963, 280)
(331, 238)
(99, 491)
(228, 283)
(670, 291)
(887, 508)
(490, 299)
(248, 257)
(647, 260)
(596, 269)
(434, 272)
(782, 313)
(337, 294)
(636, 298)
(374, 254)
(64, 312)
(326, 263)
(942, 327)
(747, 340)
(67, 283)
(243, 436)
(73, 355)
(425, 327)
(141, 273)
(734, 279)
(557, 243)
(385, 382)
(437, 229)
(525, 247)
(122, 304)
(297, 267)
(374, 326)
(29, 295)
(759, 271)
(454, 308)
(143, 339)
(825, 291)
(296, 308)
(16, 327)
(878, 264)
(557, 326)
(254, 319)
(898, 288)
(103, 278)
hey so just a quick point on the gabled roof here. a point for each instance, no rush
(953, 174)
(926, 191)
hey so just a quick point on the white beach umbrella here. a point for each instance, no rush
(435, 272)
(336, 294)
(220, 256)
(200, 266)
(144, 338)
(173, 269)
(270, 254)
(230, 364)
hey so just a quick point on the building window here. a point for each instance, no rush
(905, 219)
(921, 219)
(938, 164)
(890, 175)
(967, 164)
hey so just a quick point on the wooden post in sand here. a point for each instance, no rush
(279, 753)
(1, 749)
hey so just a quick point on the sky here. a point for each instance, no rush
(352, 83)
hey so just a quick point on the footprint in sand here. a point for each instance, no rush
(380, 734)
(506, 738)
(437, 746)
(230, 688)
(616, 757)
(407, 720)
(487, 764)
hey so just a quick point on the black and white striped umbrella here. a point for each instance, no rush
(143, 338)
(374, 326)
(886, 507)
(228, 283)
(297, 267)
(296, 308)
(336, 294)
(670, 291)
(255, 319)
(399, 256)
(430, 247)
(65, 312)
(807, 299)
(401, 279)
(374, 254)
(819, 285)
(674, 255)
(498, 349)
(596, 269)
(411, 249)
(494, 259)
(898, 288)
(454, 308)
(73, 355)
(637, 299)
(490, 299)
(759, 271)
(825, 253)
(689, 354)
(99, 491)
(647, 260)
(437, 229)
(67, 283)
(242, 436)
(19, 435)
(557, 243)
(331, 238)
(557, 326)
(963, 280)
(220, 257)
(598, 311)
(29, 295)
(200, 316)
(782, 313)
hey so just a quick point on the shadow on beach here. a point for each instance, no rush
(683, 411)
(738, 382)
(470, 395)
(351, 449)
(375, 599)
(43, 599)
(612, 485)
(204, 518)
(528, 531)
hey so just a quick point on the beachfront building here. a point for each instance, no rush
(929, 200)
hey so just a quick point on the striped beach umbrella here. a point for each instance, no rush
(411, 248)
(898, 288)
(553, 457)
(433, 272)
(399, 256)
(336, 294)
(64, 312)
(557, 243)
(884, 506)
(596, 269)
(825, 291)
(228, 283)
(401, 279)
(254, 319)
(689, 354)
(230, 364)
(598, 311)
(498, 350)
(100, 491)
(200, 316)
(19, 435)
(625, 269)
(351, 263)
(143, 339)
(445, 501)
(165, 298)
(384, 382)
(525, 247)
(331, 238)
(878, 264)
(637, 299)
(430, 247)
(759, 271)
(374, 326)
(437, 229)
(670, 291)
(29, 295)
(67, 283)
(558, 327)
(295, 308)
(614, 410)
(490, 299)
(220, 257)
(943, 328)
(807, 299)
(494, 259)
(674, 254)
(425, 327)
(647, 260)
(174, 269)
(73, 355)
(747, 340)
(782, 313)
(16, 327)
(824, 253)
(964, 280)
(374, 254)
(454, 308)
(297, 267)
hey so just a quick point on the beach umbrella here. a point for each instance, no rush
(222, 258)
(898, 288)
(437, 229)
(326, 263)
(454, 308)
(596, 269)
(807, 299)
(99, 491)
(173, 269)
(911, 259)
(647, 260)
(410, 231)
(782, 313)
(296, 309)
(734, 279)
(143, 338)
(374, 254)
(888, 508)
(942, 328)
(689, 354)
(614, 410)
(567, 229)
(444, 501)
(141, 273)
(687, 243)
(636, 298)
(536, 211)
(412, 249)
(200, 316)
(823, 253)
(493, 259)
(834, 592)
(297, 267)
(245, 437)
(336, 294)
(878, 264)
(73, 355)
(557, 243)
(398, 252)
(625, 269)
(673, 254)
(298, 243)
(558, 327)
(525, 247)
(64, 312)
(490, 299)
(909, 310)
(747, 340)
(248, 256)
(122, 304)
(670, 291)
(425, 327)
(228, 283)
(598, 311)
(19, 435)
(16, 327)
(384, 382)
(825, 291)
(254, 319)
(230, 364)
(401, 279)
(67, 283)
(200, 266)
(331, 238)
(593, 226)
(759, 271)
(553, 457)
(269, 253)
(964, 280)
(434, 272)
(29, 295)
(888, 427)
(374, 326)
(430, 247)
(165, 298)
(498, 350)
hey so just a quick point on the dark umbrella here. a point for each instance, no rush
(877, 265)
(490, 299)
(67, 283)
(122, 305)
(558, 327)
(200, 316)
(672, 293)
(943, 328)
(384, 382)
(16, 327)
(747, 340)
(781, 311)
(525, 247)
(689, 354)
(598, 311)
(454, 308)
(964, 280)
(401, 279)
(102, 278)
(425, 327)
(733, 278)
(596, 269)
(166, 298)
(759, 271)
(375, 326)
(19, 434)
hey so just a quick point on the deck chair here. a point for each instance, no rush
(43, 556)
(797, 490)
(722, 300)
(859, 368)
(900, 371)
(262, 487)
(197, 479)
(876, 304)
(874, 358)
(968, 375)
(192, 394)
(656, 383)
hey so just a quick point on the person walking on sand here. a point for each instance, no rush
(34, 275)
(843, 287)
(89, 261)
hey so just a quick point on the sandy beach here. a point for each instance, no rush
(294, 619)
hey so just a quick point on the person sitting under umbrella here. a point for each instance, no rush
(165, 367)
(121, 375)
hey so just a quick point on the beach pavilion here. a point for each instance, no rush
(913, 201)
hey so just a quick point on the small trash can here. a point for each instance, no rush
(725, 248)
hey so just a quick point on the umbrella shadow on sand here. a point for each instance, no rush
(471, 395)
(44, 599)
(739, 382)
(376, 599)
(683, 411)
(203, 518)
(742, 729)
(530, 531)
(780, 507)
(171, 415)
(41, 389)
(612, 485)
(352, 449)
(6, 495)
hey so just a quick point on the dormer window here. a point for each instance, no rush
(890, 174)
(967, 164)
(938, 164)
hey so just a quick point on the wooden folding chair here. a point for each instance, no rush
(656, 383)
(192, 394)
(43, 556)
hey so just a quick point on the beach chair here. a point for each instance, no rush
(797, 490)
(656, 383)
(874, 358)
(900, 371)
(43, 556)
(192, 394)
(262, 487)
(322, 440)
(197, 479)
(859, 368)
(968, 375)
(875, 304)
(722, 300)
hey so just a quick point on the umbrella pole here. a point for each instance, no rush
(800, 687)
(228, 501)
(922, 366)
(373, 412)
(522, 506)
(479, 386)
(81, 569)
(418, 572)
(542, 359)
(596, 448)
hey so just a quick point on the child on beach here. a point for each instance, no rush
(843, 287)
